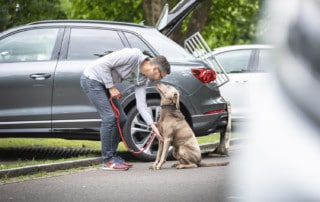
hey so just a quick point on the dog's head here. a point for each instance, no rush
(169, 95)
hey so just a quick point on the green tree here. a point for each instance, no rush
(18, 12)
(120, 10)
(232, 22)
(221, 22)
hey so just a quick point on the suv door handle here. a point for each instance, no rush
(40, 76)
(242, 81)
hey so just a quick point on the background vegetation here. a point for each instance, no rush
(33, 150)
(221, 22)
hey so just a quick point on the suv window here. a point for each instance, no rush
(136, 42)
(28, 45)
(92, 43)
(235, 61)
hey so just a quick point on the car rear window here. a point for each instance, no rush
(136, 42)
(92, 43)
(164, 45)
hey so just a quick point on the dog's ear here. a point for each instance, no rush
(176, 98)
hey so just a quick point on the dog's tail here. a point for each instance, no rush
(202, 164)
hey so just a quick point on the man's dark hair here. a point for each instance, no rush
(162, 62)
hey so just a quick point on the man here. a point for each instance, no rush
(98, 82)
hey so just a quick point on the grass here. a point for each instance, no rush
(94, 145)
(35, 142)
(208, 138)
(6, 143)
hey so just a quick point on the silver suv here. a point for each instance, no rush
(40, 68)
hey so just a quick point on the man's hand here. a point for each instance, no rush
(156, 131)
(115, 93)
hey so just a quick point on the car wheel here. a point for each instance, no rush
(137, 132)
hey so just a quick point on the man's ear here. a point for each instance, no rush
(154, 69)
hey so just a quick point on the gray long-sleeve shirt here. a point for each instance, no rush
(123, 65)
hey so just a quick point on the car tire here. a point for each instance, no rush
(137, 132)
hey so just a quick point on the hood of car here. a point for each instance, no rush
(169, 20)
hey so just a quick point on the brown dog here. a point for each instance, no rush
(177, 133)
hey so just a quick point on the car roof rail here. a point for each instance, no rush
(86, 21)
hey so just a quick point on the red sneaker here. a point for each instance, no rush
(120, 160)
(113, 165)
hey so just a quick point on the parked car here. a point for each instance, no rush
(40, 68)
(246, 66)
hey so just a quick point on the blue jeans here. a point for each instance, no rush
(109, 134)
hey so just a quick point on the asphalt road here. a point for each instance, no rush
(137, 184)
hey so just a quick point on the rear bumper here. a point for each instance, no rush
(211, 123)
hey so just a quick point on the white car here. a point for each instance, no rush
(246, 66)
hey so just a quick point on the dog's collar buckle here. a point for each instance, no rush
(169, 107)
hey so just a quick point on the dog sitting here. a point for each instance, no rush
(177, 133)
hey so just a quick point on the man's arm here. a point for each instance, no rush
(115, 60)
(140, 93)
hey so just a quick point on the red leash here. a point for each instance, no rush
(117, 115)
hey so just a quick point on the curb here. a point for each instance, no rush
(51, 167)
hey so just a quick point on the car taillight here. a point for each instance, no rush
(217, 111)
(204, 75)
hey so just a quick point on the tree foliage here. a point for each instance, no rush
(121, 10)
(221, 22)
(18, 12)
(232, 22)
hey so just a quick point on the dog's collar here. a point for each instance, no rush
(169, 107)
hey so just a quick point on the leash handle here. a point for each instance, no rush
(117, 116)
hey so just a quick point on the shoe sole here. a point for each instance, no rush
(113, 168)
(116, 169)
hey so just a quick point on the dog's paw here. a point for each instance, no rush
(155, 167)
(174, 165)
(179, 166)
(151, 167)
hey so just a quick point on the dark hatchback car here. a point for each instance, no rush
(40, 68)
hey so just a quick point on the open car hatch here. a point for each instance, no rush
(169, 20)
